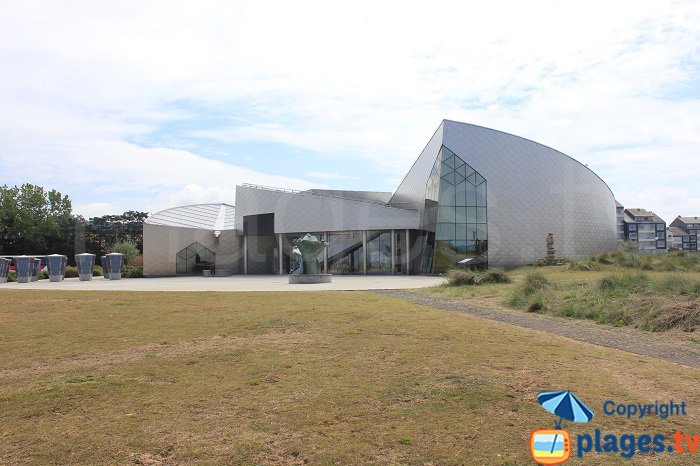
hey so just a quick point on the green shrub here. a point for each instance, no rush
(128, 248)
(11, 276)
(137, 261)
(604, 258)
(97, 271)
(629, 260)
(683, 316)
(456, 277)
(682, 285)
(132, 272)
(460, 277)
(534, 282)
(628, 282)
(42, 275)
(517, 299)
(529, 293)
(536, 303)
(494, 276)
(71, 272)
(668, 262)
(581, 266)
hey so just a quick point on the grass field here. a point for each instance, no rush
(656, 293)
(296, 378)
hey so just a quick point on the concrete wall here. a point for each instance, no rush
(162, 243)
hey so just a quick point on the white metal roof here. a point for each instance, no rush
(215, 217)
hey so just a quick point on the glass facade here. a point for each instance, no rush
(452, 232)
(379, 251)
(455, 215)
(400, 251)
(345, 252)
(194, 258)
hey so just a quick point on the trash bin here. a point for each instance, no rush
(36, 269)
(24, 266)
(65, 264)
(115, 261)
(56, 264)
(85, 263)
(105, 266)
(4, 269)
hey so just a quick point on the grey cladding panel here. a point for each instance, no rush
(411, 192)
(534, 190)
(295, 213)
(204, 216)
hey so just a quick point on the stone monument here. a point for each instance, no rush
(550, 258)
(307, 249)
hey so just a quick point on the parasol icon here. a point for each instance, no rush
(565, 405)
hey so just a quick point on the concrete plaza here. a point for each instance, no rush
(232, 283)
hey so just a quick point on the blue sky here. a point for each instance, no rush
(144, 105)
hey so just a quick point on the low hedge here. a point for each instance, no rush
(132, 272)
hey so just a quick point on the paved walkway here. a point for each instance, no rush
(233, 283)
(661, 346)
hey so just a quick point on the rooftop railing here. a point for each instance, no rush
(408, 206)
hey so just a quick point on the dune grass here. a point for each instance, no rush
(650, 292)
(296, 378)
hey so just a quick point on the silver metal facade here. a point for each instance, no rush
(411, 192)
(534, 190)
(202, 216)
(162, 243)
(306, 212)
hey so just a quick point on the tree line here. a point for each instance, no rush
(35, 221)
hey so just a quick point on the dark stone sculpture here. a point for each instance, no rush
(308, 248)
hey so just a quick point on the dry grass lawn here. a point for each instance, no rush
(295, 378)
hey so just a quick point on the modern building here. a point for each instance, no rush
(620, 216)
(646, 230)
(188, 239)
(674, 238)
(688, 230)
(474, 195)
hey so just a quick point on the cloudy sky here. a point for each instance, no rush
(144, 105)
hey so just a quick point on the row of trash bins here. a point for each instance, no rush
(27, 267)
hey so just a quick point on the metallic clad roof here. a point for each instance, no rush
(215, 217)
(371, 196)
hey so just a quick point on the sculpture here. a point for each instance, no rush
(550, 258)
(550, 247)
(307, 248)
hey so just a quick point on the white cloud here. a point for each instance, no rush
(328, 175)
(614, 84)
(121, 175)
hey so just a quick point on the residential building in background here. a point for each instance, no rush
(674, 238)
(620, 216)
(646, 229)
(690, 228)
(474, 195)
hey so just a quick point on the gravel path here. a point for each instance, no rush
(626, 339)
